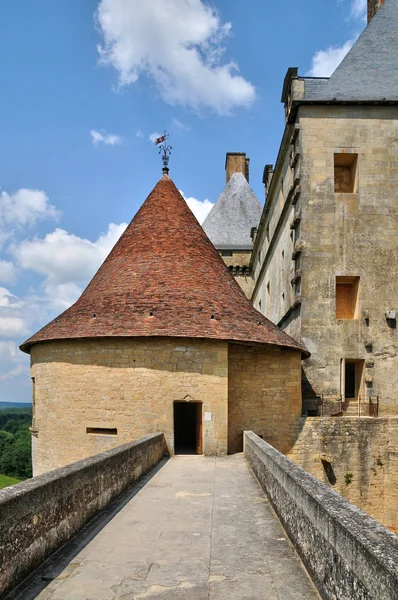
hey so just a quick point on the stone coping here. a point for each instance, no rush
(347, 553)
(39, 515)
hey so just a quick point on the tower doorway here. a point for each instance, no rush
(188, 428)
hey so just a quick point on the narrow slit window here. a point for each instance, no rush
(268, 298)
(346, 173)
(347, 297)
(102, 430)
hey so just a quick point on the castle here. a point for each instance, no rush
(163, 338)
(324, 263)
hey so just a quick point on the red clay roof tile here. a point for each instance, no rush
(164, 278)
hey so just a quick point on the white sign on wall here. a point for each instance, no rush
(207, 416)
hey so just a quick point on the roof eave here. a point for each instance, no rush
(336, 102)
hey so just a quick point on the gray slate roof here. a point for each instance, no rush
(370, 69)
(236, 211)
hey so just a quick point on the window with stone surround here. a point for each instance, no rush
(346, 173)
(347, 297)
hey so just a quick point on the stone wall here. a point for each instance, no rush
(347, 554)
(128, 385)
(354, 235)
(309, 235)
(357, 457)
(264, 394)
(41, 514)
(238, 265)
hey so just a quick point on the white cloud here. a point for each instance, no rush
(7, 272)
(11, 326)
(178, 44)
(12, 362)
(325, 62)
(199, 208)
(8, 349)
(18, 370)
(359, 9)
(139, 133)
(110, 139)
(66, 261)
(24, 208)
(180, 125)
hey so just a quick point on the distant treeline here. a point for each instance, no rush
(7, 405)
(15, 442)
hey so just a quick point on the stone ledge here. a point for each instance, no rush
(39, 515)
(348, 554)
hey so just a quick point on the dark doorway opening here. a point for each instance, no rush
(188, 428)
(350, 384)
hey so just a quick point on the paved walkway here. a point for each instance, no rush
(200, 529)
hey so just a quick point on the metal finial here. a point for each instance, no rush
(164, 151)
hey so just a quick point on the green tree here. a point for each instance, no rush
(5, 442)
(16, 459)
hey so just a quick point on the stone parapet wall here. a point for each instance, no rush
(357, 457)
(40, 515)
(347, 554)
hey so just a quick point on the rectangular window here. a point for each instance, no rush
(226, 253)
(346, 173)
(102, 430)
(347, 297)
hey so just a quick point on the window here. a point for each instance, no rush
(346, 173)
(347, 297)
(268, 298)
(267, 237)
(33, 400)
(281, 198)
(226, 253)
(102, 430)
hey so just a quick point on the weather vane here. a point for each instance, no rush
(164, 150)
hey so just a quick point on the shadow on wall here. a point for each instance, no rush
(310, 396)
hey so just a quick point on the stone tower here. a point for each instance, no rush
(162, 339)
(230, 222)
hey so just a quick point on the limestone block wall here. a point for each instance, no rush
(350, 234)
(357, 457)
(331, 234)
(273, 293)
(125, 384)
(239, 264)
(264, 395)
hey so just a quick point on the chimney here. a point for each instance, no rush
(236, 162)
(373, 7)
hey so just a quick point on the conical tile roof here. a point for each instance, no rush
(231, 219)
(164, 278)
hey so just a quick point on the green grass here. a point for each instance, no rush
(5, 481)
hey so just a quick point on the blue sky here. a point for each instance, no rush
(85, 85)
